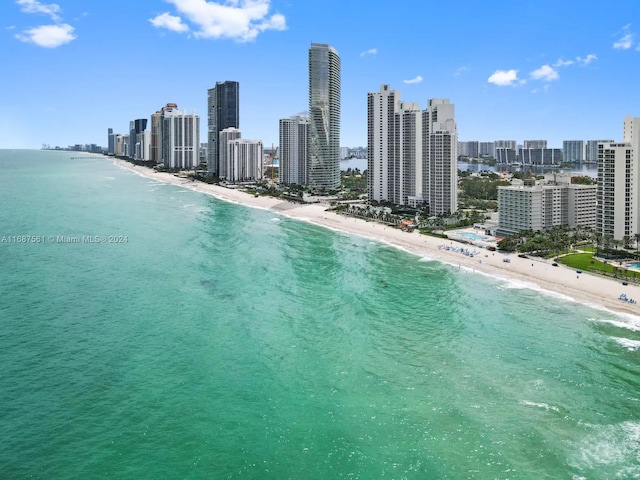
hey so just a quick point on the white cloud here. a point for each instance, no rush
(460, 71)
(33, 6)
(563, 63)
(624, 43)
(504, 78)
(588, 59)
(371, 51)
(417, 79)
(170, 22)
(241, 20)
(545, 73)
(48, 36)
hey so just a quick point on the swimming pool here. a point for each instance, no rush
(473, 236)
(634, 265)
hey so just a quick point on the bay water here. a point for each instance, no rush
(148, 331)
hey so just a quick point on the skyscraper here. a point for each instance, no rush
(382, 107)
(618, 211)
(412, 154)
(223, 112)
(179, 138)
(136, 138)
(111, 142)
(224, 137)
(440, 156)
(324, 118)
(294, 139)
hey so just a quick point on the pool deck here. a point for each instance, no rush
(455, 235)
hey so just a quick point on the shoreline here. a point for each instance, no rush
(533, 273)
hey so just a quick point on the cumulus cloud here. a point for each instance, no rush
(169, 22)
(240, 20)
(33, 6)
(545, 73)
(48, 36)
(504, 78)
(371, 51)
(417, 79)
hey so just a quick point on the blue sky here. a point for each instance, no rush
(550, 70)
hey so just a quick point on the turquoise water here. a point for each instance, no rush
(634, 265)
(472, 236)
(219, 341)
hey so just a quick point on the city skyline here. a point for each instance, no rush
(549, 84)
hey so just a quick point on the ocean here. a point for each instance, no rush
(149, 331)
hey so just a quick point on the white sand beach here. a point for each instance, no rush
(538, 274)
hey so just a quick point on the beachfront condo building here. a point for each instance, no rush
(382, 108)
(324, 118)
(440, 157)
(539, 205)
(111, 142)
(136, 138)
(223, 109)
(244, 160)
(224, 137)
(412, 154)
(618, 214)
(294, 143)
(178, 138)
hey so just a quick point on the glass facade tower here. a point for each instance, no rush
(324, 118)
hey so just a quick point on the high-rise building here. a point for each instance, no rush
(487, 149)
(412, 154)
(294, 139)
(224, 137)
(324, 118)
(618, 214)
(244, 160)
(440, 156)
(573, 151)
(136, 138)
(111, 142)
(470, 149)
(382, 107)
(179, 137)
(540, 156)
(535, 144)
(539, 205)
(223, 108)
(154, 148)
(591, 149)
(511, 144)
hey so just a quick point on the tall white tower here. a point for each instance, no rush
(294, 140)
(440, 157)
